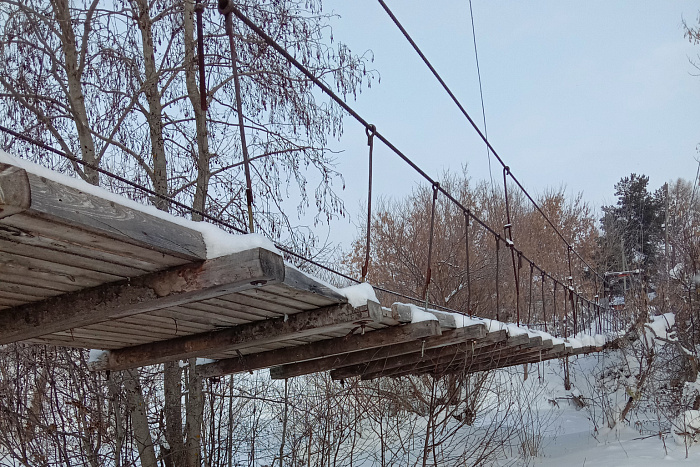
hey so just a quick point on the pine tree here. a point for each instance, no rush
(633, 228)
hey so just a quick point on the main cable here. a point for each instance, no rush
(204, 215)
(479, 132)
(282, 51)
(481, 91)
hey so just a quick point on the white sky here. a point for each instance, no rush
(577, 94)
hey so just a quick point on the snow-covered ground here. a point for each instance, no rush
(575, 443)
(573, 439)
(575, 446)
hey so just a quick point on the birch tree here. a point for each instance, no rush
(113, 84)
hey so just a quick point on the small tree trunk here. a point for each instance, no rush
(200, 115)
(172, 386)
(113, 387)
(194, 411)
(284, 421)
(76, 98)
(155, 107)
(139, 421)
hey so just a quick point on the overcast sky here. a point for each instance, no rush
(577, 94)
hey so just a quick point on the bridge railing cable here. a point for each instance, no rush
(216, 220)
(481, 134)
(372, 133)
(340, 102)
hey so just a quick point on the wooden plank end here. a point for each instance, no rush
(15, 191)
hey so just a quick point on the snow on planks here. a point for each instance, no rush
(81, 267)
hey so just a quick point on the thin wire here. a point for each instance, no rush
(204, 215)
(277, 245)
(479, 132)
(481, 92)
(370, 143)
(272, 43)
(695, 185)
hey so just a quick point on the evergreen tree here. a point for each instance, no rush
(633, 228)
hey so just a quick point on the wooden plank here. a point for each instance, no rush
(304, 296)
(246, 335)
(416, 362)
(11, 249)
(183, 314)
(286, 344)
(400, 354)
(57, 202)
(15, 191)
(399, 362)
(271, 294)
(557, 351)
(217, 314)
(409, 343)
(35, 291)
(11, 302)
(78, 343)
(177, 327)
(512, 346)
(496, 363)
(53, 235)
(18, 297)
(255, 303)
(242, 314)
(176, 286)
(10, 275)
(299, 281)
(402, 313)
(317, 353)
(54, 272)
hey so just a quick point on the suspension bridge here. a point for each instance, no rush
(84, 268)
(80, 267)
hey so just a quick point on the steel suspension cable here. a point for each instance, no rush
(544, 311)
(508, 232)
(498, 298)
(273, 44)
(469, 284)
(529, 301)
(370, 143)
(554, 303)
(475, 126)
(481, 91)
(209, 217)
(428, 273)
(224, 9)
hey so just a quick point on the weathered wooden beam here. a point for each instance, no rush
(421, 354)
(503, 354)
(315, 353)
(175, 286)
(402, 313)
(453, 355)
(46, 199)
(15, 191)
(539, 350)
(411, 344)
(400, 354)
(461, 359)
(303, 283)
(557, 351)
(316, 321)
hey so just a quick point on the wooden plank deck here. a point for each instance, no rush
(82, 270)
